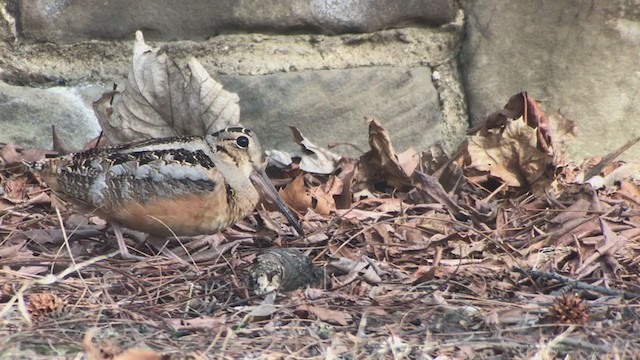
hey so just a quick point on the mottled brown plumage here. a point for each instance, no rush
(182, 186)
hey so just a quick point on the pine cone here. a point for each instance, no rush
(44, 303)
(569, 309)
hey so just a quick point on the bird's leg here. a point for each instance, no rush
(124, 252)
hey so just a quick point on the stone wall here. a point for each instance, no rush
(322, 65)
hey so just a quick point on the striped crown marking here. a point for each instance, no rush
(239, 129)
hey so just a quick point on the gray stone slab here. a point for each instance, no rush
(330, 105)
(575, 56)
(76, 20)
(26, 115)
(326, 105)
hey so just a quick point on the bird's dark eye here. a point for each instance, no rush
(242, 142)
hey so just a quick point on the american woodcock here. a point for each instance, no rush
(173, 186)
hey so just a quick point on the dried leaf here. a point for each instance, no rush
(381, 165)
(97, 142)
(279, 159)
(353, 269)
(202, 322)
(562, 132)
(12, 250)
(59, 144)
(328, 315)
(15, 188)
(430, 188)
(6, 204)
(549, 137)
(346, 170)
(511, 156)
(630, 191)
(434, 159)
(318, 198)
(162, 99)
(463, 249)
(409, 160)
(44, 236)
(108, 350)
(263, 310)
(9, 154)
(33, 154)
(360, 214)
(314, 159)
(537, 119)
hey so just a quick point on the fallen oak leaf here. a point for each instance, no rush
(521, 105)
(511, 155)
(321, 202)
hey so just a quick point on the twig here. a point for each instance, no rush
(575, 283)
(586, 345)
(597, 168)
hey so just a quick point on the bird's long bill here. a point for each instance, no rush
(259, 177)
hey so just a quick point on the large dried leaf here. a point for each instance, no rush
(525, 152)
(163, 99)
(548, 134)
(511, 156)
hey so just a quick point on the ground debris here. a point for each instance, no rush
(528, 255)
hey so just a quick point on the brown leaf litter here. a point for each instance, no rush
(498, 251)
